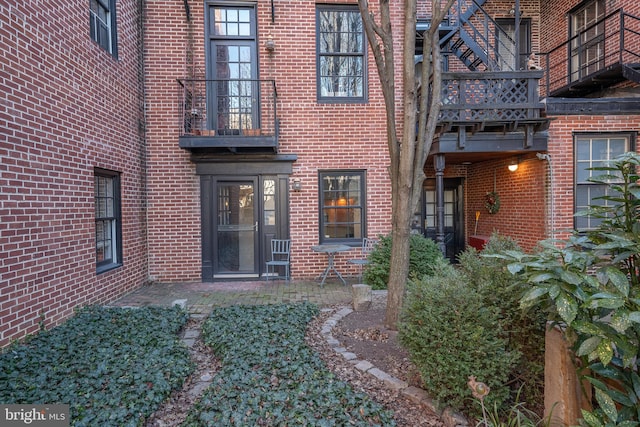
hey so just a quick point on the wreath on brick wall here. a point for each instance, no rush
(492, 202)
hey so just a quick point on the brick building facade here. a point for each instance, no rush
(161, 141)
(69, 109)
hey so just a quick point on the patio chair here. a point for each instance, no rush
(367, 247)
(280, 255)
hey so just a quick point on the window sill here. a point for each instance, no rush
(107, 267)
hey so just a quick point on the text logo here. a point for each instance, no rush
(34, 415)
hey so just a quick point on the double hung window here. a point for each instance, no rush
(108, 220)
(587, 39)
(341, 54)
(102, 24)
(594, 150)
(342, 206)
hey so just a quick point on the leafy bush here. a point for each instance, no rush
(451, 334)
(270, 377)
(424, 255)
(591, 284)
(523, 330)
(112, 366)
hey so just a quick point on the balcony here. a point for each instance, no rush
(491, 112)
(604, 54)
(237, 116)
(502, 99)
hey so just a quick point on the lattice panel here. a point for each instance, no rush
(485, 100)
(514, 91)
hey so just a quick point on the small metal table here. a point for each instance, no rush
(331, 251)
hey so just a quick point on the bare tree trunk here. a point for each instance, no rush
(399, 264)
(407, 154)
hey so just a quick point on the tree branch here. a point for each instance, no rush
(380, 39)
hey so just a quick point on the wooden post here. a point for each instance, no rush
(563, 394)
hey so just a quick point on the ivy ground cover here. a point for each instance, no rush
(113, 366)
(270, 377)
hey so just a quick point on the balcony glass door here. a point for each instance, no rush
(232, 91)
(505, 42)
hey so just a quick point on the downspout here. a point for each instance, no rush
(142, 93)
(190, 46)
(187, 10)
(547, 157)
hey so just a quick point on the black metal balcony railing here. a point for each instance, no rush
(241, 115)
(490, 98)
(231, 114)
(594, 58)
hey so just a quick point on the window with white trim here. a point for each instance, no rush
(591, 151)
(108, 220)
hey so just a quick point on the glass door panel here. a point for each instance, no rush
(232, 68)
(587, 40)
(505, 41)
(235, 94)
(453, 216)
(236, 228)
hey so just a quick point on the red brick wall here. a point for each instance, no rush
(562, 158)
(326, 136)
(523, 209)
(323, 136)
(173, 187)
(66, 107)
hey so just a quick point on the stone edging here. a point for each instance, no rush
(415, 394)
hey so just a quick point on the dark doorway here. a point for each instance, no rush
(240, 216)
(235, 233)
(506, 49)
(425, 221)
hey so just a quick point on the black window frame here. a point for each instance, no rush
(108, 41)
(111, 221)
(363, 54)
(594, 190)
(350, 207)
(222, 119)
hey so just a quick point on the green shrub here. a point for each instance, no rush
(451, 334)
(523, 330)
(590, 282)
(424, 255)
